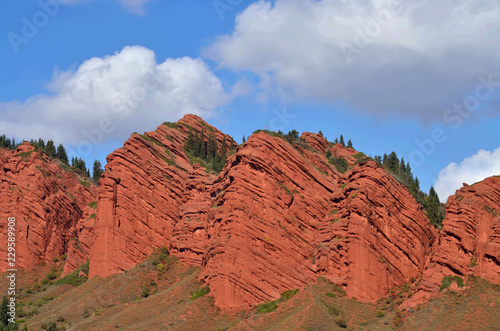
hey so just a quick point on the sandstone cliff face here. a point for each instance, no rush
(277, 217)
(375, 236)
(269, 204)
(46, 201)
(264, 224)
(148, 186)
(469, 242)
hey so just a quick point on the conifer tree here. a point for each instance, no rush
(3, 312)
(341, 141)
(41, 143)
(61, 154)
(50, 148)
(203, 150)
(244, 140)
(349, 144)
(97, 171)
(336, 141)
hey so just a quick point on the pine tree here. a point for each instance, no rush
(97, 171)
(431, 205)
(61, 154)
(190, 142)
(203, 149)
(211, 147)
(349, 144)
(417, 184)
(3, 311)
(41, 143)
(244, 140)
(336, 141)
(320, 133)
(50, 148)
(341, 141)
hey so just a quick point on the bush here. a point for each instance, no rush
(340, 163)
(268, 307)
(341, 322)
(84, 183)
(380, 314)
(334, 311)
(145, 291)
(93, 204)
(74, 278)
(331, 295)
(200, 292)
(273, 305)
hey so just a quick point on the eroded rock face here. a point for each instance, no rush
(263, 225)
(147, 188)
(46, 201)
(269, 204)
(375, 236)
(469, 242)
(277, 217)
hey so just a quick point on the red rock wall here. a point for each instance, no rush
(375, 236)
(46, 201)
(469, 242)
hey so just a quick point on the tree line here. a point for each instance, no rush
(208, 149)
(59, 153)
(402, 172)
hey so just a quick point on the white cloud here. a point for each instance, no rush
(383, 57)
(473, 169)
(129, 90)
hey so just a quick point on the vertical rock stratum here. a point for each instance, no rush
(267, 223)
(279, 215)
(469, 242)
(47, 202)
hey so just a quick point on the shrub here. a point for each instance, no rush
(145, 291)
(74, 278)
(200, 292)
(448, 280)
(334, 311)
(340, 163)
(171, 125)
(341, 322)
(331, 295)
(84, 183)
(268, 307)
(380, 314)
(273, 305)
(287, 295)
(93, 204)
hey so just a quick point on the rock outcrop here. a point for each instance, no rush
(46, 201)
(469, 242)
(277, 216)
(263, 225)
(375, 236)
(148, 186)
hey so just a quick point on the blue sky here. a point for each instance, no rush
(382, 73)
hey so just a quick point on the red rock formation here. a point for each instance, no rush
(82, 239)
(269, 204)
(46, 201)
(147, 187)
(257, 227)
(469, 242)
(375, 236)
